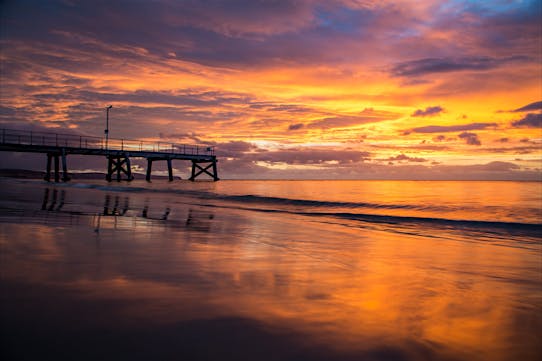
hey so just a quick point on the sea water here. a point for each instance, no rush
(271, 270)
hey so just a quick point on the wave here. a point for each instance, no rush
(312, 208)
(516, 229)
(455, 223)
(353, 211)
(249, 198)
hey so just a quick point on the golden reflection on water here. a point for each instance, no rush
(340, 286)
(469, 200)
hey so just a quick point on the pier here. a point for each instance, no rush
(118, 153)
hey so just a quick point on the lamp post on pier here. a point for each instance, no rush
(106, 131)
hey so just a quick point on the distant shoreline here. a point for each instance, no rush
(33, 174)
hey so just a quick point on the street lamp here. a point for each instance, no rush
(106, 131)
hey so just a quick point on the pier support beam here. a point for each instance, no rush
(48, 168)
(197, 169)
(119, 163)
(129, 169)
(57, 170)
(149, 169)
(169, 168)
(65, 176)
(109, 169)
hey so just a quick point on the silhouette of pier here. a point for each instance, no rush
(118, 152)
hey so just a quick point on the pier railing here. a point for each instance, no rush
(37, 138)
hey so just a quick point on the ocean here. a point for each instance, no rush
(271, 270)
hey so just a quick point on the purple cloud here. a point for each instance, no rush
(452, 128)
(428, 111)
(470, 138)
(296, 126)
(531, 120)
(233, 149)
(427, 66)
(498, 166)
(530, 107)
(312, 156)
(403, 157)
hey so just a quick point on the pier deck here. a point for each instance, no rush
(117, 151)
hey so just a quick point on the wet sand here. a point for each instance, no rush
(104, 275)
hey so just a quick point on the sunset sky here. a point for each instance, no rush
(288, 89)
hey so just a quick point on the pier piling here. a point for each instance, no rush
(169, 170)
(149, 169)
(57, 170)
(119, 163)
(65, 176)
(48, 168)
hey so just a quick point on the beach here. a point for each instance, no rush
(271, 270)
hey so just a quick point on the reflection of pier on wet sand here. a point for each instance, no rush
(117, 212)
(118, 152)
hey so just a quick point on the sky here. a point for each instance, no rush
(312, 89)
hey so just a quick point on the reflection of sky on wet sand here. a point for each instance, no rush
(230, 284)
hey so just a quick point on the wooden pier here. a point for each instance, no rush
(118, 153)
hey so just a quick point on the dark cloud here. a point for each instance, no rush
(452, 128)
(239, 17)
(501, 28)
(470, 138)
(499, 166)
(530, 107)
(241, 151)
(312, 156)
(434, 171)
(255, 33)
(503, 140)
(234, 149)
(514, 150)
(428, 111)
(427, 66)
(237, 156)
(296, 126)
(531, 120)
(403, 157)
(184, 97)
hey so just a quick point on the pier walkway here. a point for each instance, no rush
(118, 152)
